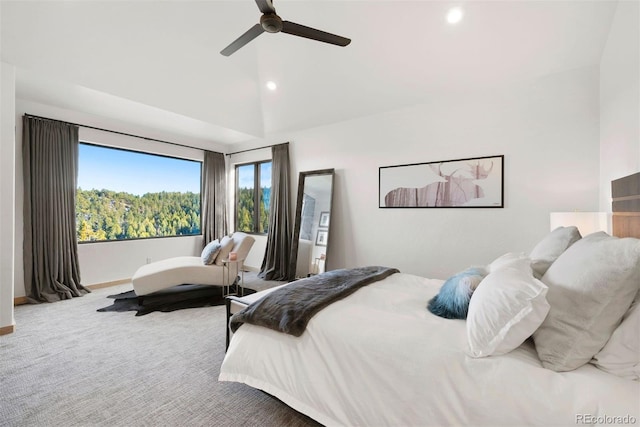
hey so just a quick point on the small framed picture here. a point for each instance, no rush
(324, 219)
(321, 238)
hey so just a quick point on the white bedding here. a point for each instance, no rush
(378, 357)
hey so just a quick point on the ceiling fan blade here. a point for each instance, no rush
(266, 6)
(251, 34)
(313, 34)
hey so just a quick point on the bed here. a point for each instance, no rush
(378, 357)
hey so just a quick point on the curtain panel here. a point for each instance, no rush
(276, 258)
(50, 167)
(214, 197)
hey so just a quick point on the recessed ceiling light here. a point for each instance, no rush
(454, 15)
(271, 85)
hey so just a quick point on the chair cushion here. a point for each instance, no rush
(170, 272)
(175, 271)
(243, 244)
(227, 244)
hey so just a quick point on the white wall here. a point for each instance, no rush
(620, 100)
(547, 131)
(7, 193)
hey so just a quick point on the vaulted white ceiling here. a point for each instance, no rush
(157, 63)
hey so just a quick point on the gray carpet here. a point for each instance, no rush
(69, 365)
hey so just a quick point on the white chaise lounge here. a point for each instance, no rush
(161, 275)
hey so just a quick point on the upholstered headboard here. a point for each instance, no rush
(625, 194)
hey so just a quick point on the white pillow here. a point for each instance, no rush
(210, 252)
(226, 246)
(621, 355)
(591, 286)
(551, 247)
(507, 260)
(506, 308)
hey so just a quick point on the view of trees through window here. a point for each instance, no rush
(125, 194)
(250, 177)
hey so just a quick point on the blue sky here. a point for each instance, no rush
(246, 175)
(135, 173)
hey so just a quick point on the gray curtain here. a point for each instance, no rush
(276, 258)
(50, 162)
(214, 197)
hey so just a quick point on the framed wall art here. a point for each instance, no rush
(464, 183)
(324, 219)
(321, 237)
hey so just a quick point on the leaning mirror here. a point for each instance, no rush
(312, 224)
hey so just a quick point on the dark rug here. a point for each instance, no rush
(176, 298)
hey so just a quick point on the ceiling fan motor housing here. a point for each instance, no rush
(271, 23)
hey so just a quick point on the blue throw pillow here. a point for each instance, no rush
(452, 302)
(210, 252)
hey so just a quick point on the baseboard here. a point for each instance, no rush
(4, 330)
(19, 300)
(108, 284)
(23, 300)
(249, 268)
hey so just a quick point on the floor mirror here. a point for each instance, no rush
(311, 234)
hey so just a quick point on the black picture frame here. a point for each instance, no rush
(322, 237)
(324, 219)
(475, 182)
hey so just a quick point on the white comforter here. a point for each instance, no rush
(379, 358)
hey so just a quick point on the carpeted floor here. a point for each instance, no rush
(69, 365)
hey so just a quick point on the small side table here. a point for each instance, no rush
(226, 277)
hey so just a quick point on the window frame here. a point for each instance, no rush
(256, 195)
(133, 150)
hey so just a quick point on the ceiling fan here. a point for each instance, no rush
(272, 23)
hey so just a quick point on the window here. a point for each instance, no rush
(253, 188)
(126, 194)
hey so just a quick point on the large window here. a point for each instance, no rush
(253, 189)
(125, 194)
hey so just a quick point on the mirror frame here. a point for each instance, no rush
(293, 259)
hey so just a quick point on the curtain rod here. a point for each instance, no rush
(113, 131)
(257, 148)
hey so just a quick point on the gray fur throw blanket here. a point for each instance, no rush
(290, 308)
